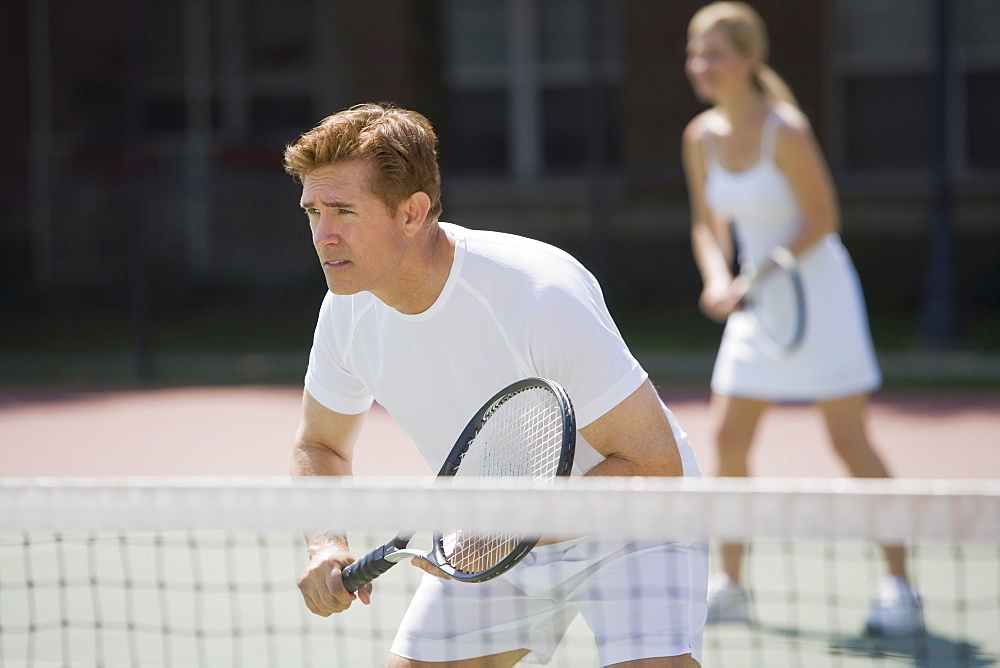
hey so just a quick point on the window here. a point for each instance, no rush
(982, 128)
(243, 70)
(889, 122)
(980, 71)
(526, 79)
(884, 69)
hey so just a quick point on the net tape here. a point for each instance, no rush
(723, 508)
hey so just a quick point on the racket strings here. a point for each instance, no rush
(522, 436)
(477, 552)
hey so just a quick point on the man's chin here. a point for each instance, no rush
(340, 289)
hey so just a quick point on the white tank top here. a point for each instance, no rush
(758, 201)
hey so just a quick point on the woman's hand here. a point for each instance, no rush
(720, 299)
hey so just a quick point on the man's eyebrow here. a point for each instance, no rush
(329, 205)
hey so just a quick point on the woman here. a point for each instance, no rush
(751, 160)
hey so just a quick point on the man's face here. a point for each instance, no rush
(358, 240)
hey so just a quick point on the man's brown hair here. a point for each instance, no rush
(399, 146)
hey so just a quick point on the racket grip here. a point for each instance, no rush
(369, 567)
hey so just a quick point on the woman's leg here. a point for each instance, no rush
(846, 422)
(737, 423)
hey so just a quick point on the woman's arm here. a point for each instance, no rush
(800, 159)
(711, 239)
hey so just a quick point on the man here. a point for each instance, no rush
(431, 319)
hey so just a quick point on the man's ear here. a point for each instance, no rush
(415, 208)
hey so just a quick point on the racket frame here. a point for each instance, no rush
(453, 462)
(784, 261)
(384, 557)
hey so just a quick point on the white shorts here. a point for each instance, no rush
(641, 600)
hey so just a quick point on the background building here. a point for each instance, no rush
(143, 139)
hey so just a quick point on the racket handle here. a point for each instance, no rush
(372, 565)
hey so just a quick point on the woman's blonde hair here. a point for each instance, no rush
(747, 32)
(399, 145)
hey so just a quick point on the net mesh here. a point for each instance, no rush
(202, 572)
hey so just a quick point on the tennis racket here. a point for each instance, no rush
(776, 303)
(526, 429)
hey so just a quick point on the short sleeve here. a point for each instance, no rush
(579, 345)
(329, 379)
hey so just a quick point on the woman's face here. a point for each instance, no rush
(714, 66)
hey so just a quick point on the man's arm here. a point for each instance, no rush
(635, 438)
(324, 445)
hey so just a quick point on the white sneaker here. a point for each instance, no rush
(727, 601)
(897, 611)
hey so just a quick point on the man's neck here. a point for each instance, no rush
(427, 269)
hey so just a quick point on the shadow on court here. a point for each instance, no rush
(928, 649)
(813, 647)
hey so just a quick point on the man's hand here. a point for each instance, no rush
(322, 587)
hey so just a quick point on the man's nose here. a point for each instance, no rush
(325, 230)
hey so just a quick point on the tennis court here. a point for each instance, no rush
(233, 431)
(809, 595)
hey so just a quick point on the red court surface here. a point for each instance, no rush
(247, 431)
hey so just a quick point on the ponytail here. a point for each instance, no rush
(773, 86)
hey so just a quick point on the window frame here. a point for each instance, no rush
(525, 78)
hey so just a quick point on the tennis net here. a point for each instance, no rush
(201, 572)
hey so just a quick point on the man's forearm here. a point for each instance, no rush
(317, 460)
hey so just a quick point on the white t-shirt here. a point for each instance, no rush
(511, 308)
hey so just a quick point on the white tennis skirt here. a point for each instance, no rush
(836, 357)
